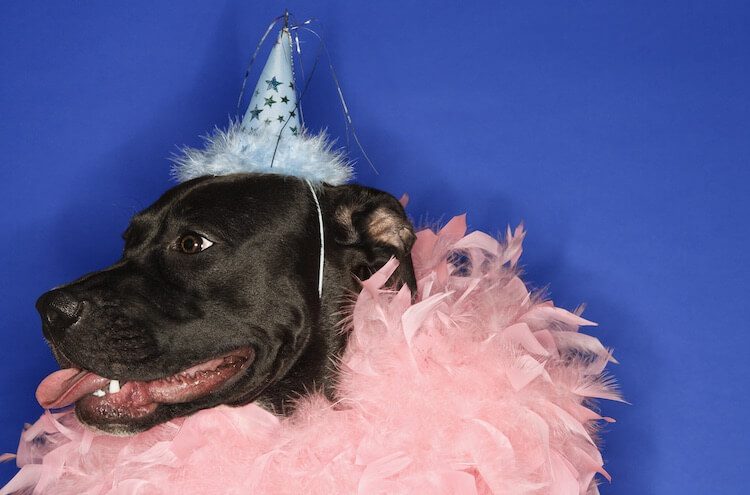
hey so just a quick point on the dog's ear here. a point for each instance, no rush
(375, 224)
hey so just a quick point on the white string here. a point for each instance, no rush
(322, 238)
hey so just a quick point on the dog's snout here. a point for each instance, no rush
(59, 309)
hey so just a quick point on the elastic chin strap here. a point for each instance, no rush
(322, 239)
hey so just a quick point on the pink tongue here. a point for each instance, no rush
(64, 387)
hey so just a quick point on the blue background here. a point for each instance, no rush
(618, 131)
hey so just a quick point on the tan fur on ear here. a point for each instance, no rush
(343, 216)
(385, 227)
(374, 222)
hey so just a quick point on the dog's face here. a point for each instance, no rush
(215, 300)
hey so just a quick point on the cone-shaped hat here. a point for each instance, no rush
(271, 137)
(273, 105)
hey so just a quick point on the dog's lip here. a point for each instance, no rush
(70, 385)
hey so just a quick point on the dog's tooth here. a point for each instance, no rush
(99, 393)
(114, 386)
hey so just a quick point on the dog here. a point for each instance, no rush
(215, 300)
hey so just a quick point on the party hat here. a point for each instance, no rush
(273, 105)
(271, 137)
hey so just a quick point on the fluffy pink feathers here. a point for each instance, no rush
(480, 387)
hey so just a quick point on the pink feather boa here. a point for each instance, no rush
(480, 387)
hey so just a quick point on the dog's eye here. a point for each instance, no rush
(192, 243)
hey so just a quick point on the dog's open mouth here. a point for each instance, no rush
(113, 400)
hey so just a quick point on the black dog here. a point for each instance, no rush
(215, 300)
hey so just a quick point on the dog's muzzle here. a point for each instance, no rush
(101, 399)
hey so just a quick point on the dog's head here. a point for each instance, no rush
(215, 300)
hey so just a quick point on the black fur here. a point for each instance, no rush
(158, 311)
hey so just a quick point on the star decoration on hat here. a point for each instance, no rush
(255, 112)
(270, 101)
(285, 99)
(273, 84)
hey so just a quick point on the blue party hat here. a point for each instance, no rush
(274, 106)
(271, 137)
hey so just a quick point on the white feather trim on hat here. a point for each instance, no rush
(307, 156)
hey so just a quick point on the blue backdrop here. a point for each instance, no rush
(619, 132)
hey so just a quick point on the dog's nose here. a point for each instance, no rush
(59, 309)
